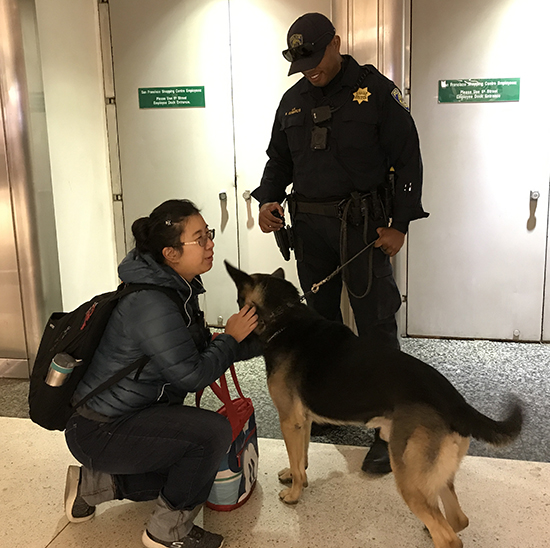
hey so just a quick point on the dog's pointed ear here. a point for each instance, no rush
(279, 273)
(238, 276)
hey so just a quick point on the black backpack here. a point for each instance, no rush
(78, 333)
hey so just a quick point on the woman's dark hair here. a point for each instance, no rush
(163, 227)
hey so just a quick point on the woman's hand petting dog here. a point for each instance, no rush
(240, 325)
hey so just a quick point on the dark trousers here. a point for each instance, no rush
(170, 450)
(318, 241)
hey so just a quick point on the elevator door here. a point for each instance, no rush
(477, 264)
(13, 348)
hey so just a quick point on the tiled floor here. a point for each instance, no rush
(507, 501)
(485, 372)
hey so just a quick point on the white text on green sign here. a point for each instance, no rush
(489, 90)
(171, 97)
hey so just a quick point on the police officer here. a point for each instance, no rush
(344, 138)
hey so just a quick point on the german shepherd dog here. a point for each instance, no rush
(318, 370)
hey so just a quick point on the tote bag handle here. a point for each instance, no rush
(233, 409)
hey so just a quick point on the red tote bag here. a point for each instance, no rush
(238, 472)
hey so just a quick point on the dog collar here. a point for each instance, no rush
(275, 334)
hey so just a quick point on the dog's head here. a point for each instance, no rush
(271, 294)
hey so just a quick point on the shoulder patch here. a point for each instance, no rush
(396, 94)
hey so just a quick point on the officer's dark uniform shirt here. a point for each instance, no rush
(370, 131)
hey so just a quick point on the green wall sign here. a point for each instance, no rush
(178, 97)
(490, 90)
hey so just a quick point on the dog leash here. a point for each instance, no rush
(315, 287)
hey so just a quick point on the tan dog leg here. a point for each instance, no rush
(420, 478)
(453, 512)
(455, 516)
(285, 475)
(428, 512)
(296, 428)
(426, 508)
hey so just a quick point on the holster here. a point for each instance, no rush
(285, 240)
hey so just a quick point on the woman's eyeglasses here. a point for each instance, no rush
(202, 240)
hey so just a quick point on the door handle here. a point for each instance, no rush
(247, 195)
(534, 195)
(223, 209)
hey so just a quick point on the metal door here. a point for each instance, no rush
(259, 77)
(476, 267)
(13, 348)
(178, 152)
(212, 155)
(29, 274)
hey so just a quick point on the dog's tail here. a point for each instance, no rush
(470, 422)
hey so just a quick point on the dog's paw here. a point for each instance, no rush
(460, 523)
(288, 497)
(285, 475)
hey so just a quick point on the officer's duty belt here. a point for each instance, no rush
(337, 208)
(329, 209)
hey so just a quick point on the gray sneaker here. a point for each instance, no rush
(196, 538)
(77, 509)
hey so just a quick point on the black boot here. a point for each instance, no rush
(377, 460)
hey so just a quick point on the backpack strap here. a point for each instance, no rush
(139, 363)
(123, 290)
(173, 294)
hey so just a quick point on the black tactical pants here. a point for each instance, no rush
(317, 247)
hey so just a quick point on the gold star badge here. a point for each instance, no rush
(362, 94)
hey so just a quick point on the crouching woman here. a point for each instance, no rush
(136, 440)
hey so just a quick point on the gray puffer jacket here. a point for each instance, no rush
(149, 323)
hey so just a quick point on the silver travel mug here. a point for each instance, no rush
(61, 367)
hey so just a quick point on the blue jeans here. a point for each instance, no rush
(170, 450)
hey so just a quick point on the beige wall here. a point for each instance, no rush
(75, 110)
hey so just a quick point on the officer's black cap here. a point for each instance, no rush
(314, 29)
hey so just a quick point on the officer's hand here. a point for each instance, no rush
(390, 240)
(267, 221)
(240, 325)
